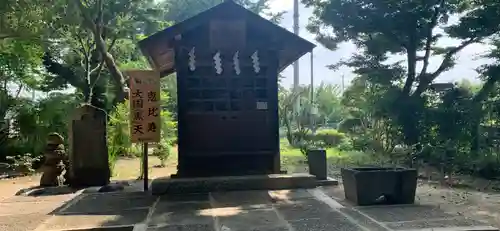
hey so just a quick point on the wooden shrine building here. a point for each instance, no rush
(227, 60)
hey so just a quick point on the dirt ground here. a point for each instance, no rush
(125, 169)
(479, 204)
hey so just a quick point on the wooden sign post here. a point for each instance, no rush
(145, 112)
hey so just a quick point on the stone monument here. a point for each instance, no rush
(227, 60)
(88, 148)
(55, 162)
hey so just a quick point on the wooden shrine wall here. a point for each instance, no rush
(227, 97)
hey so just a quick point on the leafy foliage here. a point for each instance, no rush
(180, 10)
(23, 163)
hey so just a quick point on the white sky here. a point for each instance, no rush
(467, 61)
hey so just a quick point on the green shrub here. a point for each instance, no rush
(329, 137)
(22, 163)
(29, 123)
(135, 150)
(118, 131)
(162, 151)
(299, 137)
(168, 137)
(346, 144)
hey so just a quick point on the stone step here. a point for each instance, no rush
(232, 183)
(458, 228)
(111, 228)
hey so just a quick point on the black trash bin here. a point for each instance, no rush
(316, 159)
(371, 186)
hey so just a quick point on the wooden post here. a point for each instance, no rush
(145, 166)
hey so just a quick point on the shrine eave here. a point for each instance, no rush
(159, 47)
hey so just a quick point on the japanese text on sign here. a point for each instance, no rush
(145, 110)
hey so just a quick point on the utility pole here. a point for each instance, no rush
(312, 111)
(312, 78)
(296, 63)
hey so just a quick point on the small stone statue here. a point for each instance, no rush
(55, 162)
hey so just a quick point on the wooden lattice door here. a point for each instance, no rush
(224, 109)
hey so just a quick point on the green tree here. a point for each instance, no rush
(112, 22)
(32, 121)
(368, 108)
(383, 28)
(180, 10)
(26, 19)
(327, 99)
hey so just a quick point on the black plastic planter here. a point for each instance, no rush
(371, 186)
(316, 159)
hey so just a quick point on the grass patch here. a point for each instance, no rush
(336, 157)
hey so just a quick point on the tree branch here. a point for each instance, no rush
(426, 79)
(84, 62)
(18, 92)
(101, 64)
(428, 42)
(7, 36)
(98, 69)
(411, 51)
(101, 46)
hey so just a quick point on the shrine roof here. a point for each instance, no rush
(159, 48)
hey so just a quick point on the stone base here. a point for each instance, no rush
(328, 182)
(111, 228)
(232, 183)
(215, 164)
(89, 177)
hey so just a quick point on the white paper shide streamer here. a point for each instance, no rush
(192, 60)
(255, 61)
(236, 61)
(218, 63)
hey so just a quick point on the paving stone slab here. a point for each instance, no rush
(181, 214)
(363, 220)
(240, 198)
(94, 220)
(192, 227)
(289, 195)
(251, 220)
(60, 198)
(195, 197)
(25, 222)
(109, 202)
(427, 224)
(113, 228)
(324, 225)
(162, 207)
(284, 228)
(304, 209)
(404, 213)
(19, 208)
(458, 228)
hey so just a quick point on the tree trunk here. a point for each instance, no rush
(96, 28)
